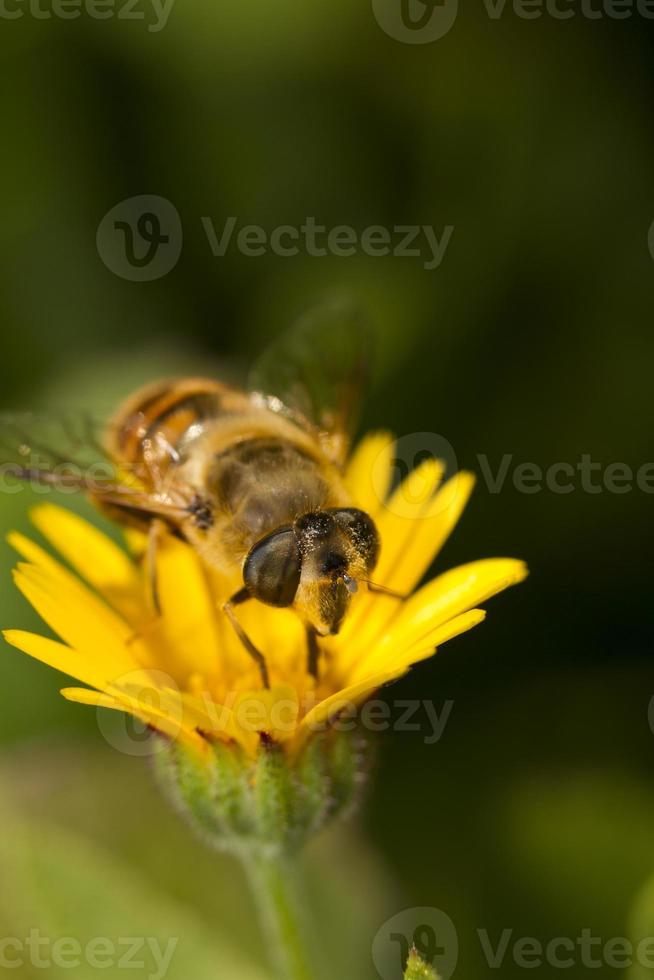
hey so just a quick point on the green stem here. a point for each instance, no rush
(273, 881)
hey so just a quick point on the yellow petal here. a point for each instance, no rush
(127, 598)
(398, 524)
(274, 711)
(189, 616)
(432, 530)
(398, 520)
(36, 555)
(410, 547)
(319, 716)
(83, 695)
(82, 620)
(58, 656)
(455, 591)
(136, 541)
(219, 719)
(411, 648)
(368, 474)
(189, 676)
(128, 602)
(91, 553)
(280, 636)
(167, 725)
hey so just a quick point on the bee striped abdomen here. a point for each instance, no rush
(151, 428)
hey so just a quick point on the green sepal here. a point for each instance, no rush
(347, 763)
(273, 802)
(273, 797)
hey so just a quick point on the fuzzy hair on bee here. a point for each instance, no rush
(251, 478)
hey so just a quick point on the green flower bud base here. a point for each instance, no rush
(270, 805)
(263, 810)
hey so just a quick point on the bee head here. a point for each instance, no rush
(314, 564)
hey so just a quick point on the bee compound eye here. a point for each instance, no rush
(272, 568)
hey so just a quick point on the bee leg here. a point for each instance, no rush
(313, 652)
(239, 597)
(154, 536)
(155, 530)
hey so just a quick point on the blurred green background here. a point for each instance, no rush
(533, 138)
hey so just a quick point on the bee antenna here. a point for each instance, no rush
(384, 590)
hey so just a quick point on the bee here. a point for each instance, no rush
(252, 479)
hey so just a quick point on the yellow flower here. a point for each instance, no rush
(186, 674)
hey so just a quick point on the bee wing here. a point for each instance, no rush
(316, 373)
(67, 453)
(53, 443)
